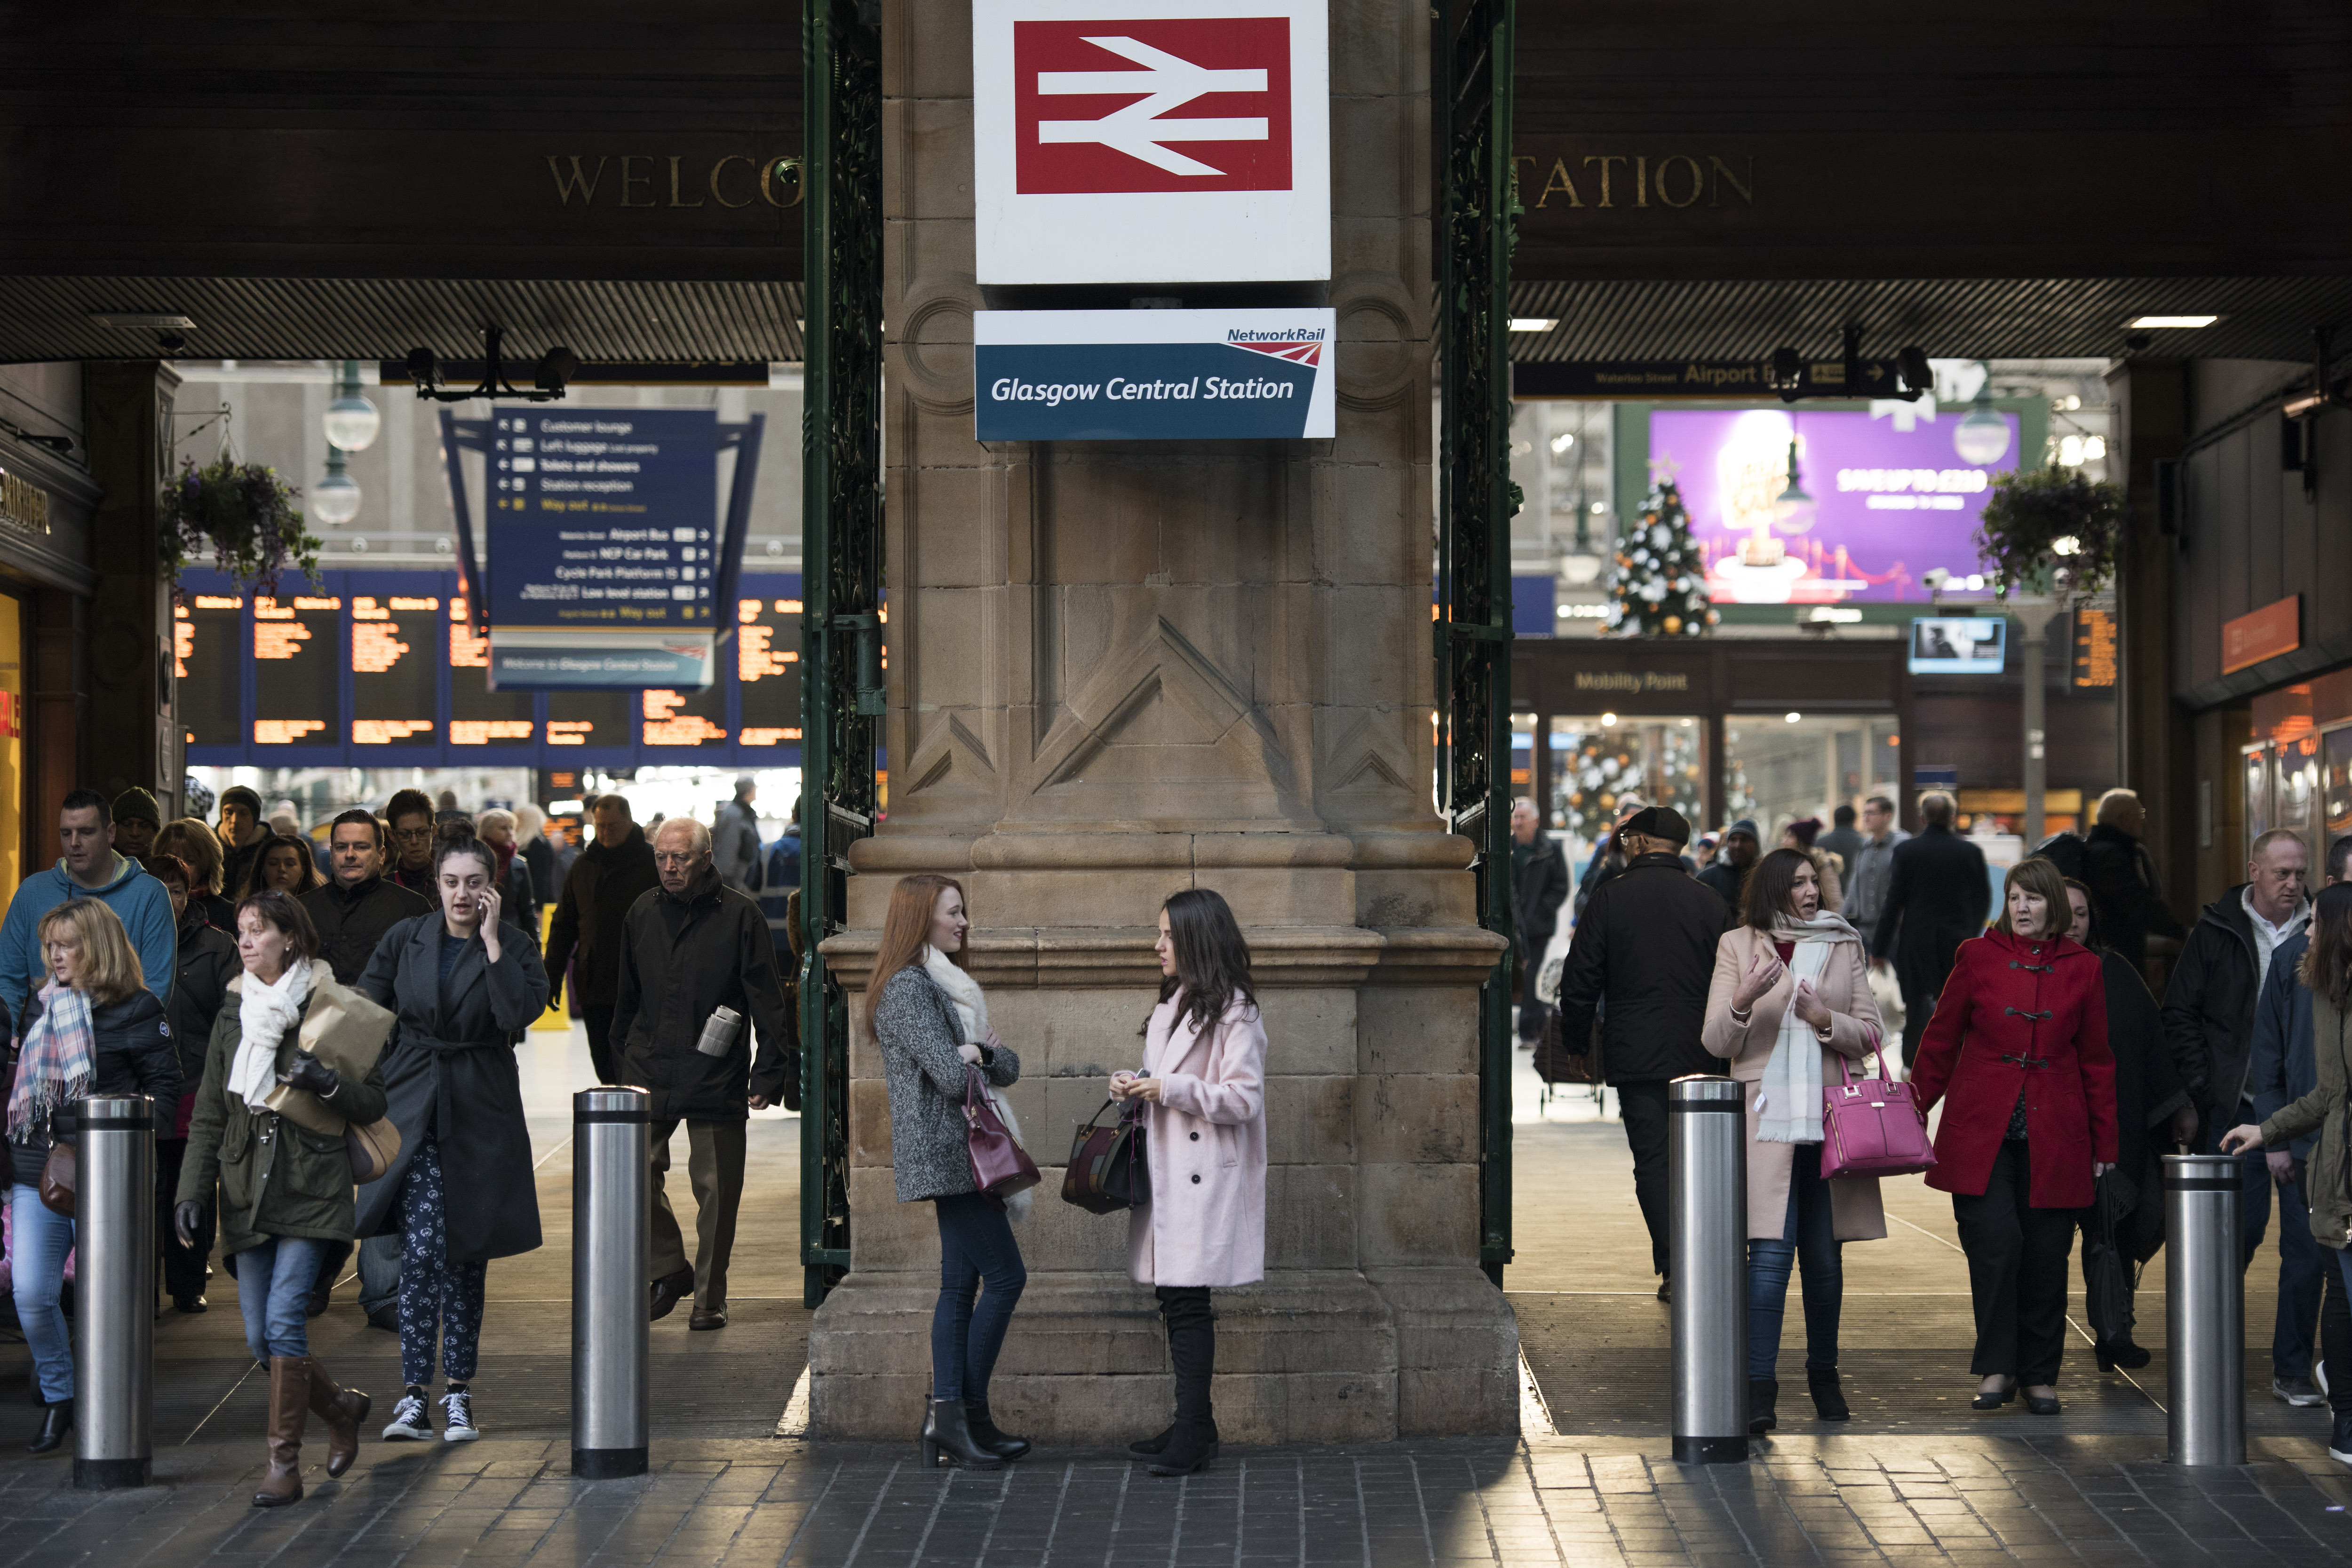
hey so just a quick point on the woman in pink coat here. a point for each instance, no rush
(1203, 1090)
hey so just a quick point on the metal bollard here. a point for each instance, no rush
(1707, 1154)
(2204, 1310)
(611, 1265)
(114, 1291)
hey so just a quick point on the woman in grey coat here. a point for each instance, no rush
(914, 1022)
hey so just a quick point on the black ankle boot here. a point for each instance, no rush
(948, 1440)
(57, 1423)
(984, 1433)
(2339, 1438)
(1151, 1447)
(2113, 1353)
(1191, 1446)
(1763, 1393)
(1829, 1399)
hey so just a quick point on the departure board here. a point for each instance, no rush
(605, 718)
(297, 677)
(2094, 647)
(675, 719)
(768, 671)
(478, 715)
(394, 685)
(207, 635)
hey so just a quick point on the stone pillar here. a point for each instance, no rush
(130, 425)
(2158, 757)
(1120, 670)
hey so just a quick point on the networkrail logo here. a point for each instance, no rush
(1173, 104)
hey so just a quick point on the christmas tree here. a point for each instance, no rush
(1661, 582)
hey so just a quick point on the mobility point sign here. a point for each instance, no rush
(1182, 142)
(1152, 375)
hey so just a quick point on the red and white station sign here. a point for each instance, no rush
(1152, 143)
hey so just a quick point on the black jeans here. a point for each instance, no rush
(1192, 1347)
(2017, 1271)
(184, 1267)
(1642, 1102)
(600, 1045)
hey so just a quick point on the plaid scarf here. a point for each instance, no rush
(56, 1064)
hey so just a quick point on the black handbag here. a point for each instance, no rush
(1108, 1170)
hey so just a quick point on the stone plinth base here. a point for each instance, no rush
(1308, 1356)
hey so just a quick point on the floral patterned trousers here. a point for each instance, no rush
(434, 1292)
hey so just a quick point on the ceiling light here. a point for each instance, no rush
(1792, 718)
(1562, 442)
(1534, 323)
(1833, 615)
(142, 319)
(2164, 321)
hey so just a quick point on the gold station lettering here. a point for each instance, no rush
(1617, 181)
(635, 180)
(23, 504)
(1632, 680)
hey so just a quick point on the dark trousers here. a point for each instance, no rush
(1643, 1103)
(1807, 1239)
(1192, 1348)
(976, 1250)
(2017, 1271)
(607, 1061)
(2302, 1261)
(184, 1267)
(2336, 1334)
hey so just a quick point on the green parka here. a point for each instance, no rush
(276, 1176)
(2329, 1108)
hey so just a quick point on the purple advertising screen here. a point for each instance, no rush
(1879, 499)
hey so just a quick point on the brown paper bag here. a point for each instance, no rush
(345, 1031)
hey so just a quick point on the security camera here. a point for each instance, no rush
(1934, 577)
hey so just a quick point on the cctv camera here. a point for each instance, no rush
(1934, 577)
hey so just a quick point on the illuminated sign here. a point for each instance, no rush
(1152, 375)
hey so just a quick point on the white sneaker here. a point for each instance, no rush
(457, 1417)
(409, 1422)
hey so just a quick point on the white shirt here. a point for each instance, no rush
(2267, 937)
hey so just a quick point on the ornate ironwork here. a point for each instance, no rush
(1470, 92)
(842, 572)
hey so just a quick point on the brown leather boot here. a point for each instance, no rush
(342, 1410)
(290, 1408)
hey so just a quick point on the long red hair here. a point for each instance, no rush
(906, 929)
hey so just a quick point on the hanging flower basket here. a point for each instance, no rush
(241, 516)
(2052, 531)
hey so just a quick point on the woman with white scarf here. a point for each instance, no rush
(285, 1189)
(1791, 994)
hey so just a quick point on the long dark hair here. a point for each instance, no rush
(1212, 962)
(1764, 898)
(2327, 962)
(304, 863)
(2090, 935)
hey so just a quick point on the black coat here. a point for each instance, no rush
(352, 921)
(683, 956)
(1936, 899)
(1539, 886)
(1646, 947)
(134, 1053)
(586, 932)
(540, 856)
(2208, 1005)
(450, 1067)
(1725, 880)
(2124, 892)
(208, 961)
(2148, 1086)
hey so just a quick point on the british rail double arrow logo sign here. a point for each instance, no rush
(1152, 144)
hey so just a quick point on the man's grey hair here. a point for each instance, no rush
(702, 835)
(744, 785)
(2115, 805)
(1937, 808)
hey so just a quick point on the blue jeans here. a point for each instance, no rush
(39, 1241)
(1807, 1235)
(976, 1248)
(273, 1291)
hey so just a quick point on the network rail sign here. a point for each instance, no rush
(1151, 141)
(1152, 375)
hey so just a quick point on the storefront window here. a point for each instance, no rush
(1597, 761)
(2259, 819)
(2298, 789)
(1785, 767)
(2335, 779)
(1523, 754)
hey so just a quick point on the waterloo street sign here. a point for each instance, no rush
(1152, 375)
(1151, 141)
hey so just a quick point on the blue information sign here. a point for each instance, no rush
(1152, 375)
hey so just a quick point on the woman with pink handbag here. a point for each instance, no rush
(1791, 997)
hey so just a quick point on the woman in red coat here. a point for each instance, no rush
(2017, 1049)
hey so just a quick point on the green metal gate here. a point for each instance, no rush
(842, 694)
(1470, 93)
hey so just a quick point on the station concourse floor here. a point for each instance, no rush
(1917, 1477)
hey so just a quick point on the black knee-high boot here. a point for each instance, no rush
(2335, 1355)
(1192, 1353)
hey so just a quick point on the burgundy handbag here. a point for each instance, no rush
(999, 1164)
(1873, 1128)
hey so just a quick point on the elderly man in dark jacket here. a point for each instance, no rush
(2121, 878)
(1539, 886)
(1641, 956)
(1937, 898)
(609, 877)
(690, 947)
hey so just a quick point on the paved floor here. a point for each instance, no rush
(1916, 1477)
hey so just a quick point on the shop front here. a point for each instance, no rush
(1776, 729)
(46, 503)
(2297, 767)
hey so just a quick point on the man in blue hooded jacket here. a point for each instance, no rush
(89, 869)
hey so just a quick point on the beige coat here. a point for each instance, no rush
(1855, 1211)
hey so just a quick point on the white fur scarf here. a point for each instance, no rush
(971, 1012)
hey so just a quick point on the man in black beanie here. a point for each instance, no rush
(137, 820)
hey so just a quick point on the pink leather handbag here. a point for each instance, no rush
(1872, 1128)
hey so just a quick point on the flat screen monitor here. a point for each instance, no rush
(1959, 644)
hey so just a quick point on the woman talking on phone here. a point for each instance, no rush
(1203, 1090)
(466, 984)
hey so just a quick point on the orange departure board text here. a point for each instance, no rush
(393, 681)
(478, 715)
(768, 671)
(297, 681)
(685, 718)
(205, 633)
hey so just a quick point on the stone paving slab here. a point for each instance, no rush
(1562, 1501)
